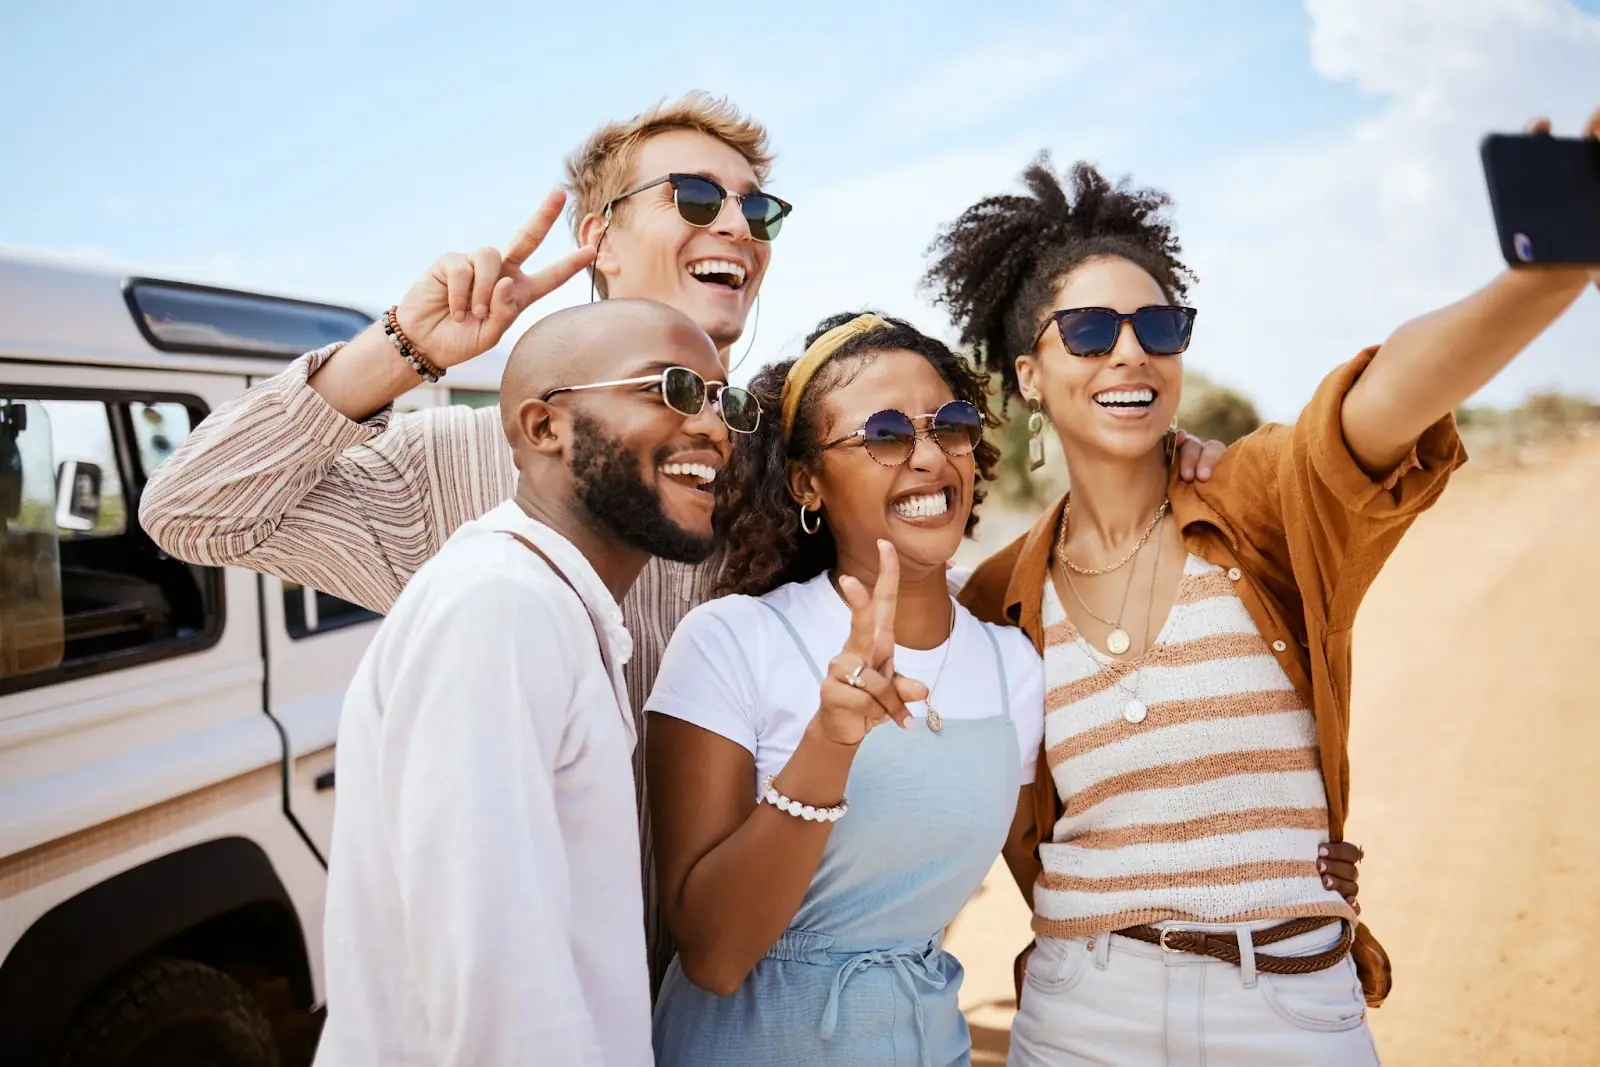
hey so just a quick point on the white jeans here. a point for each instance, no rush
(1111, 1000)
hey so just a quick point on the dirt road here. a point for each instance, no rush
(1475, 785)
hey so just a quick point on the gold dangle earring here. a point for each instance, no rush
(1035, 434)
(1169, 441)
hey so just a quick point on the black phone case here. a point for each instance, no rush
(1545, 195)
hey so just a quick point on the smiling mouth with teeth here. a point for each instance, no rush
(1126, 399)
(723, 272)
(699, 475)
(923, 506)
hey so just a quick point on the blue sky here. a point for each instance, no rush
(1323, 157)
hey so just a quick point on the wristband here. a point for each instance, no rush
(802, 811)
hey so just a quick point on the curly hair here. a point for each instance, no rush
(997, 266)
(756, 515)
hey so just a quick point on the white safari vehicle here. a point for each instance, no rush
(166, 730)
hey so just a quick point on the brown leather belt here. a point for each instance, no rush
(1225, 947)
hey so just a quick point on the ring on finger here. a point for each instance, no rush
(853, 679)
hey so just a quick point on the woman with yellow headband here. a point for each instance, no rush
(810, 856)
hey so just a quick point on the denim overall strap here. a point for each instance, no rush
(1000, 669)
(801, 645)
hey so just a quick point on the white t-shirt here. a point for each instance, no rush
(733, 669)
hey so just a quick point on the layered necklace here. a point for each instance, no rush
(1135, 710)
(1117, 642)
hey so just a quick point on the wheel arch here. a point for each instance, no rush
(218, 902)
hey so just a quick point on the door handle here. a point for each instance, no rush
(324, 781)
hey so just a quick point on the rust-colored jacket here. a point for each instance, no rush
(1292, 517)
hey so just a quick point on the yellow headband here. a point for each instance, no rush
(821, 350)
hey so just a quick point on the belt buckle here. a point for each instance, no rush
(1162, 940)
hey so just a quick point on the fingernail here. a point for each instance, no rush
(480, 310)
(1321, 866)
(1327, 882)
(1323, 851)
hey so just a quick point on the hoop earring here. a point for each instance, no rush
(754, 329)
(1035, 434)
(810, 529)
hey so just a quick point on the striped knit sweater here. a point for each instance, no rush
(1209, 807)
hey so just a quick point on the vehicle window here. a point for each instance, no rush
(191, 318)
(308, 611)
(82, 588)
(475, 398)
(158, 430)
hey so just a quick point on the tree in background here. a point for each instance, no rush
(1215, 412)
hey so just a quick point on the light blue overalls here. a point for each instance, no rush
(860, 977)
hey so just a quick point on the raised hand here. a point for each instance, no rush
(862, 690)
(1590, 129)
(464, 304)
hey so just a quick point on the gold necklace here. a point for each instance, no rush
(1061, 541)
(935, 720)
(1117, 640)
(1136, 709)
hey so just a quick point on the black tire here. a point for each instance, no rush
(170, 1013)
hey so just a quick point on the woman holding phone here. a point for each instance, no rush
(1196, 638)
(833, 771)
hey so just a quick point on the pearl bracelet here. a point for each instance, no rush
(799, 810)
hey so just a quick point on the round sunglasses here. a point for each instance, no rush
(1161, 329)
(699, 201)
(685, 392)
(890, 437)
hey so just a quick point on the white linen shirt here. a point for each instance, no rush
(484, 888)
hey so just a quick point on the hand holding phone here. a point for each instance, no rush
(1545, 194)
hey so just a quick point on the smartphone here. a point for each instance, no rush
(1545, 194)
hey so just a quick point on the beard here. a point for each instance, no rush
(611, 487)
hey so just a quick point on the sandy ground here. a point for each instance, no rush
(1475, 785)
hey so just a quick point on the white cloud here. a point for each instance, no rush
(1311, 248)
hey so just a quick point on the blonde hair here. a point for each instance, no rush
(598, 171)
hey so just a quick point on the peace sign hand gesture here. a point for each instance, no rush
(862, 690)
(464, 304)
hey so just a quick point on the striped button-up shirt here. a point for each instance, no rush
(277, 481)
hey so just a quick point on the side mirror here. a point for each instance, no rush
(77, 495)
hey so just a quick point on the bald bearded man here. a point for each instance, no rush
(484, 887)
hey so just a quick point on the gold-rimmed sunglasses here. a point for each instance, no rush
(685, 392)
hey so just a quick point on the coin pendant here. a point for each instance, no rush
(935, 722)
(1135, 711)
(1117, 643)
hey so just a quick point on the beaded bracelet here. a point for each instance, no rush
(799, 810)
(402, 344)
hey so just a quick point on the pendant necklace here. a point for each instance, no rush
(1117, 641)
(1136, 709)
(935, 720)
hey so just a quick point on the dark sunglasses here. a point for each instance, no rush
(699, 201)
(1162, 329)
(890, 437)
(686, 392)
